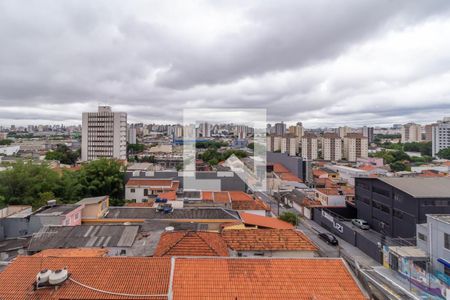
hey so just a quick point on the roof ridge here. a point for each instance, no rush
(197, 233)
(177, 242)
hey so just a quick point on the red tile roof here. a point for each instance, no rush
(170, 195)
(264, 222)
(238, 195)
(253, 204)
(76, 252)
(221, 197)
(279, 168)
(267, 240)
(264, 279)
(191, 243)
(129, 275)
(193, 278)
(165, 184)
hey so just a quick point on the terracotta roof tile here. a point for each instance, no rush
(253, 204)
(267, 240)
(221, 197)
(264, 279)
(193, 278)
(170, 195)
(76, 252)
(279, 168)
(191, 243)
(265, 222)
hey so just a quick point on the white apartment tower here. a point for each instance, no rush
(289, 145)
(411, 133)
(355, 146)
(440, 136)
(297, 130)
(309, 146)
(273, 143)
(104, 134)
(331, 146)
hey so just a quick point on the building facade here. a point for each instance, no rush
(273, 143)
(355, 146)
(104, 134)
(411, 133)
(440, 136)
(289, 145)
(331, 147)
(309, 146)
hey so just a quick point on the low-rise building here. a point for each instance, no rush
(141, 189)
(94, 207)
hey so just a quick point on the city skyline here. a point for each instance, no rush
(327, 67)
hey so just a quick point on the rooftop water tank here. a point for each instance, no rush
(58, 276)
(43, 276)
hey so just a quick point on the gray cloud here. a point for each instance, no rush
(321, 62)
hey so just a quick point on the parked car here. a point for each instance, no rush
(361, 224)
(329, 238)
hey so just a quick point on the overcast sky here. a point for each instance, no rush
(325, 63)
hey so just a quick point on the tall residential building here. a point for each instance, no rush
(441, 136)
(429, 132)
(132, 134)
(241, 131)
(273, 143)
(289, 145)
(104, 134)
(331, 146)
(411, 133)
(342, 131)
(204, 130)
(280, 129)
(368, 133)
(297, 130)
(309, 146)
(355, 146)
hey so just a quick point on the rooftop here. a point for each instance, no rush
(92, 200)
(267, 240)
(76, 252)
(264, 222)
(184, 278)
(421, 187)
(191, 243)
(179, 213)
(84, 236)
(442, 218)
(56, 210)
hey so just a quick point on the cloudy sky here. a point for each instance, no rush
(325, 63)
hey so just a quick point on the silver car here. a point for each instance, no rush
(360, 224)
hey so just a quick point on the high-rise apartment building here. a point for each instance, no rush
(273, 143)
(441, 136)
(204, 130)
(104, 134)
(342, 131)
(309, 146)
(289, 145)
(355, 146)
(280, 129)
(296, 130)
(411, 133)
(331, 146)
(241, 131)
(429, 132)
(132, 134)
(368, 133)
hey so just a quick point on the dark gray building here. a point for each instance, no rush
(393, 206)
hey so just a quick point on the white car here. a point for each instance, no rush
(361, 224)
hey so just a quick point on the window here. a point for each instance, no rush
(421, 264)
(398, 197)
(380, 191)
(145, 192)
(132, 190)
(447, 241)
(381, 207)
(422, 236)
(397, 213)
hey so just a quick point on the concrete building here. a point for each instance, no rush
(331, 147)
(280, 128)
(289, 145)
(393, 206)
(204, 130)
(309, 146)
(429, 132)
(273, 143)
(94, 207)
(355, 146)
(433, 237)
(368, 133)
(297, 130)
(9, 150)
(104, 134)
(241, 131)
(131, 135)
(411, 133)
(343, 131)
(440, 136)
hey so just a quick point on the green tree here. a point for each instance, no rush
(5, 142)
(289, 217)
(25, 183)
(444, 153)
(63, 154)
(251, 146)
(399, 166)
(135, 148)
(102, 177)
(71, 189)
